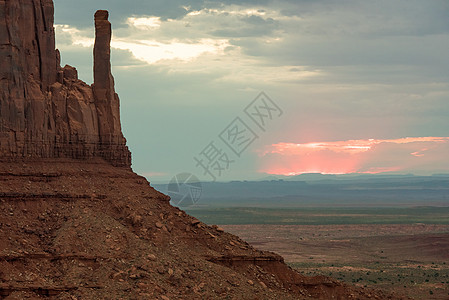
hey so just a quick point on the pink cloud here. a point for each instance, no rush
(410, 154)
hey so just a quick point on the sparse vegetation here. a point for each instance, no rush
(391, 277)
(401, 250)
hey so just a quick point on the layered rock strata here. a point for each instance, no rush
(45, 110)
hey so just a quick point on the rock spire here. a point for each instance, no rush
(45, 110)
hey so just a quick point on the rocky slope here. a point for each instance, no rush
(75, 221)
(71, 229)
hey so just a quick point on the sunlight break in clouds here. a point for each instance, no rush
(152, 51)
(231, 10)
(415, 154)
(77, 37)
(150, 40)
(145, 23)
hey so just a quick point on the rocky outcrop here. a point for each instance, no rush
(45, 110)
(106, 99)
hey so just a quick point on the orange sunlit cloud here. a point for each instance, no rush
(411, 154)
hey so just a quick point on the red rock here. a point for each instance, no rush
(106, 100)
(70, 73)
(45, 110)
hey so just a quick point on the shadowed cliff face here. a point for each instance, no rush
(45, 110)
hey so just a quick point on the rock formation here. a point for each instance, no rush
(75, 226)
(45, 110)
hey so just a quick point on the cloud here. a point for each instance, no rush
(412, 154)
(80, 13)
(349, 41)
(152, 51)
(145, 23)
(369, 18)
(349, 147)
(192, 44)
(341, 70)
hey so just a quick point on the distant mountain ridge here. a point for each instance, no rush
(328, 190)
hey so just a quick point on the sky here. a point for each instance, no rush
(233, 90)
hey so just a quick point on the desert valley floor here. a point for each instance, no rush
(410, 259)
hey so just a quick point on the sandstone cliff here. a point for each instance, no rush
(45, 110)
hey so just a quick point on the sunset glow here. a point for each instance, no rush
(354, 79)
(370, 156)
